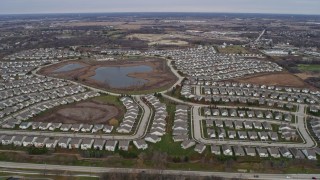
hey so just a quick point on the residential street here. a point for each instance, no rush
(196, 121)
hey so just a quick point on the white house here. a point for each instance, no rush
(111, 145)
(140, 144)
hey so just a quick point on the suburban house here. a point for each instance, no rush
(152, 138)
(297, 153)
(187, 144)
(253, 135)
(111, 145)
(250, 151)
(124, 145)
(242, 135)
(274, 152)
(40, 142)
(51, 143)
(99, 144)
(75, 143)
(18, 140)
(44, 126)
(227, 151)
(86, 144)
(8, 139)
(238, 151)
(86, 127)
(65, 127)
(55, 126)
(25, 125)
(263, 135)
(140, 144)
(232, 134)
(200, 148)
(28, 141)
(76, 127)
(64, 142)
(285, 152)
(107, 129)
(262, 152)
(215, 149)
(310, 154)
(97, 127)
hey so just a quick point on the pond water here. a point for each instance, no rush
(117, 77)
(69, 67)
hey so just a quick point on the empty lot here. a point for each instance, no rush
(281, 79)
(89, 112)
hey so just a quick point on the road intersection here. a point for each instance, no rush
(196, 132)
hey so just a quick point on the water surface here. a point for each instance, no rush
(117, 77)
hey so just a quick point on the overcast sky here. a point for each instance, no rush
(237, 6)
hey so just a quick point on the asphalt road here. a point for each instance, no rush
(302, 127)
(175, 72)
(83, 169)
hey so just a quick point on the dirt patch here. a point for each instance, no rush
(90, 112)
(160, 76)
(281, 79)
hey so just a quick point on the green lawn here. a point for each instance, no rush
(171, 148)
(108, 99)
(309, 67)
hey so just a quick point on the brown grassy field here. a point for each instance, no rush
(90, 112)
(281, 79)
(160, 76)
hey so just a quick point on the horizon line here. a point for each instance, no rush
(118, 12)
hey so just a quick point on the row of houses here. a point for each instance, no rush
(186, 91)
(204, 62)
(314, 109)
(180, 129)
(238, 87)
(245, 95)
(12, 70)
(238, 125)
(224, 112)
(29, 80)
(11, 121)
(130, 117)
(242, 135)
(15, 104)
(259, 95)
(315, 126)
(263, 152)
(159, 123)
(43, 53)
(243, 100)
(67, 143)
(239, 130)
(18, 95)
(44, 126)
(32, 88)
